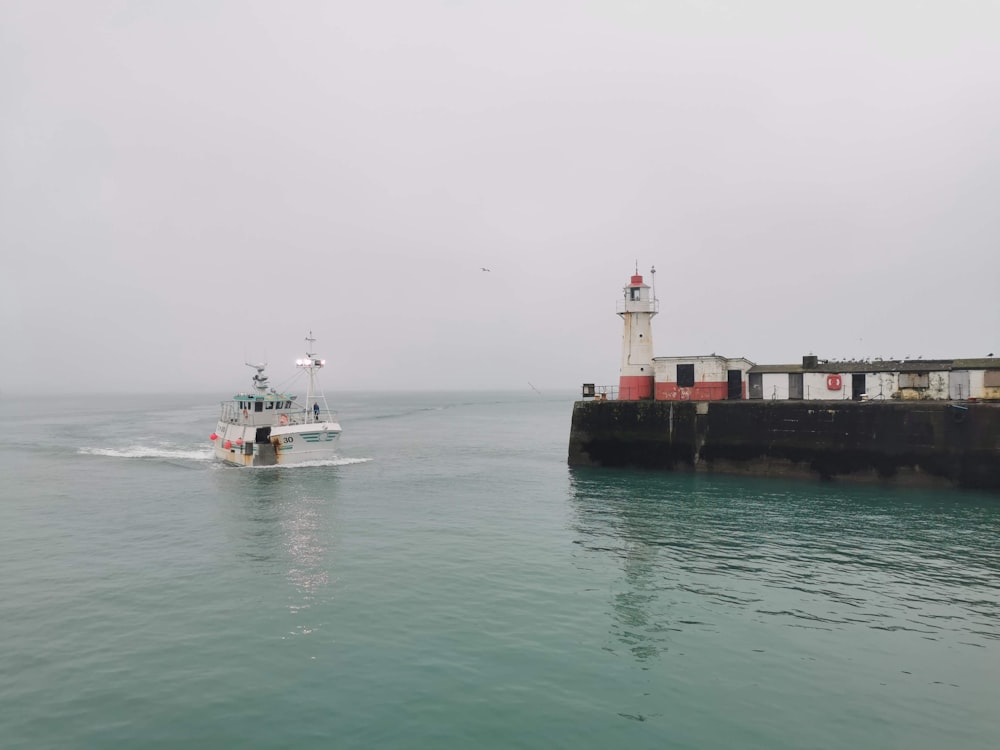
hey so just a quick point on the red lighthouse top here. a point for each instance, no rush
(637, 279)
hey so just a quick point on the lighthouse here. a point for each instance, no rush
(637, 311)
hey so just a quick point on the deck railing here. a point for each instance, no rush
(600, 392)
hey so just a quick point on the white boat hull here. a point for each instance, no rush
(287, 444)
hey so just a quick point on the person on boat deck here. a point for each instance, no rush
(316, 411)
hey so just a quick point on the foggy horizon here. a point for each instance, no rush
(188, 186)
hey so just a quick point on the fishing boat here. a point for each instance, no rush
(265, 427)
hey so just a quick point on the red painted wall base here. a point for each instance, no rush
(635, 387)
(703, 391)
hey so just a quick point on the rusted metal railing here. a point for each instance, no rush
(600, 392)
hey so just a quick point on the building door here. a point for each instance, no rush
(958, 385)
(795, 385)
(857, 385)
(735, 391)
(756, 383)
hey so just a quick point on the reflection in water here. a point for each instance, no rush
(284, 524)
(306, 544)
(694, 550)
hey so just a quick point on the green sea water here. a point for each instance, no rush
(450, 583)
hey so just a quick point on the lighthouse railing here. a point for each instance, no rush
(637, 306)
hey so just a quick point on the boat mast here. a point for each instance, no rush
(312, 371)
(311, 364)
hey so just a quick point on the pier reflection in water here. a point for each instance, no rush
(737, 564)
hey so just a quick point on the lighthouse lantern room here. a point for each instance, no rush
(637, 311)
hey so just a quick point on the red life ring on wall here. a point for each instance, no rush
(834, 382)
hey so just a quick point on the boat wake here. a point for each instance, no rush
(144, 451)
(308, 464)
(205, 455)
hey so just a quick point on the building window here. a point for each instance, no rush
(685, 376)
(914, 380)
(991, 379)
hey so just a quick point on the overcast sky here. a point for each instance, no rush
(188, 184)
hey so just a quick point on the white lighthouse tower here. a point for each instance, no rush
(637, 310)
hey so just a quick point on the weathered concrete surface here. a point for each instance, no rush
(921, 443)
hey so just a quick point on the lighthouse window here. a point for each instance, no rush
(635, 293)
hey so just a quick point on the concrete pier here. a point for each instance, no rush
(915, 443)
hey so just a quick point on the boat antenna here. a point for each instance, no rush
(260, 380)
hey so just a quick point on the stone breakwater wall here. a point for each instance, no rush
(915, 443)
